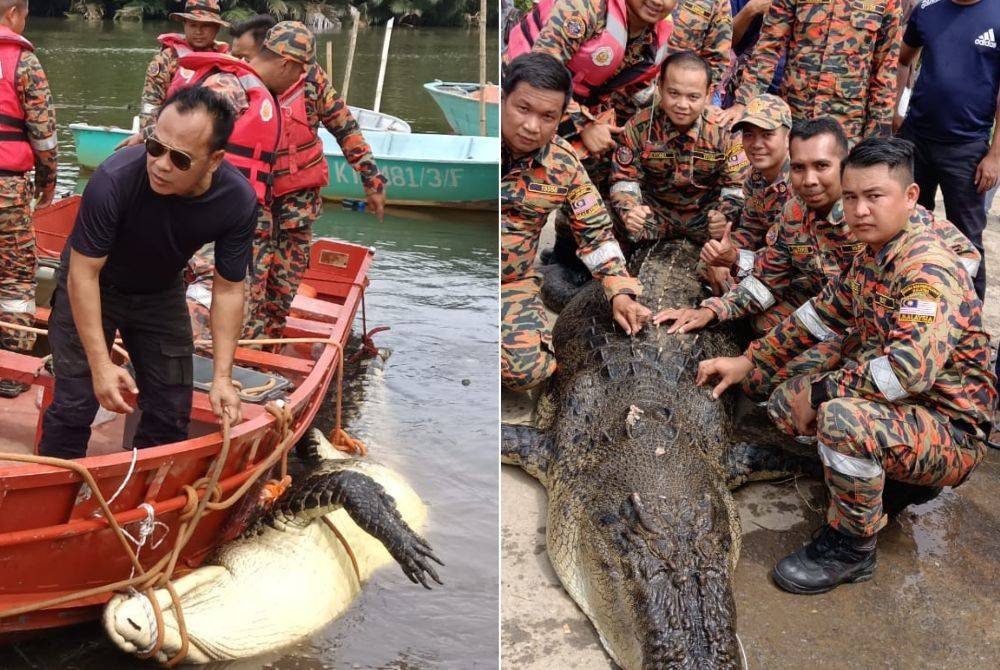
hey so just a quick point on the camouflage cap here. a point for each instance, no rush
(291, 40)
(202, 11)
(766, 111)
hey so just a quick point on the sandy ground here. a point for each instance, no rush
(934, 601)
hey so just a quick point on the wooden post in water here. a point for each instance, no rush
(482, 67)
(356, 15)
(381, 67)
(329, 58)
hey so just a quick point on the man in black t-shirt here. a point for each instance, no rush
(145, 211)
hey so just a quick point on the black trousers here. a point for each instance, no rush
(156, 331)
(953, 168)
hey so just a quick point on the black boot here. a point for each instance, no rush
(831, 559)
(10, 388)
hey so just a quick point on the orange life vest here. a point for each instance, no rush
(254, 140)
(300, 163)
(593, 65)
(16, 156)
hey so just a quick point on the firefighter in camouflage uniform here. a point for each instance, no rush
(287, 64)
(841, 62)
(913, 402)
(202, 22)
(27, 141)
(705, 27)
(540, 174)
(676, 169)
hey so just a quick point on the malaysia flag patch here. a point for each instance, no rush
(913, 309)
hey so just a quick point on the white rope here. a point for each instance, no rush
(128, 475)
(146, 528)
(743, 653)
(147, 608)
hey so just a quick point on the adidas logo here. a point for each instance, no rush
(987, 39)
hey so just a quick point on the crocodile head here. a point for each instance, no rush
(661, 583)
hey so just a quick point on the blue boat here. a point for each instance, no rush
(422, 170)
(459, 102)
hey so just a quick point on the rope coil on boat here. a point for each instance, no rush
(203, 496)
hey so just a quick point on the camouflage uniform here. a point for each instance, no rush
(571, 24)
(915, 401)
(281, 248)
(704, 27)
(163, 67)
(531, 188)
(803, 252)
(841, 61)
(198, 276)
(680, 176)
(17, 234)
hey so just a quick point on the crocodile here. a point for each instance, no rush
(639, 465)
(290, 573)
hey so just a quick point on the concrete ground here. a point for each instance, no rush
(934, 601)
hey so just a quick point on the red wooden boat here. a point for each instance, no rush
(56, 540)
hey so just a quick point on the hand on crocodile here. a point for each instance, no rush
(635, 220)
(685, 320)
(803, 413)
(725, 371)
(720, 253)
(629, 313)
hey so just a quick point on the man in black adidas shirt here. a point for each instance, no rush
(145, 212)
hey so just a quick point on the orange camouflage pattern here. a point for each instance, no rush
(17, 233)
(919, 326)
(531, 188)
(159, 73)
(679, 175)
(704, 27)
(841, 61)
(571, 24)
(863, 442)
(763, 201)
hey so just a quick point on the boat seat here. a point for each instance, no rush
(262, 386)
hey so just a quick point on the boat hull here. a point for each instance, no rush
(54, 539)
(422, 170)
(462, 111)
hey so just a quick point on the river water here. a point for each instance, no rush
(431, 414)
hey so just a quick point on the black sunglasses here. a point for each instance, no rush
(156, 148)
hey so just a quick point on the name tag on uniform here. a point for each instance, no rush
(698, 9)
(706, 155)
(853, 249)
(884, 301)
(854, 285)
(547, 189)
(800, 249)
(867, 6)
(660, 155)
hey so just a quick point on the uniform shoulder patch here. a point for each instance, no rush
(584, 200)
(624, 156)
(153, 69)
(772, 235)
(920, 290)
(574, 27)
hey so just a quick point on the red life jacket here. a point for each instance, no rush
(598, 58)
(16, 156)
(179, 44)
(300, 164)
(254, 140)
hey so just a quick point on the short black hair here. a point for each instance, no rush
(823, 125)
(218, 108)
(539, 71)
(687, 60)
(893, 152)
(256, 25)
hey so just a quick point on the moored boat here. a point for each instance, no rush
(424, 170)
(66, 535)
(460, 102)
